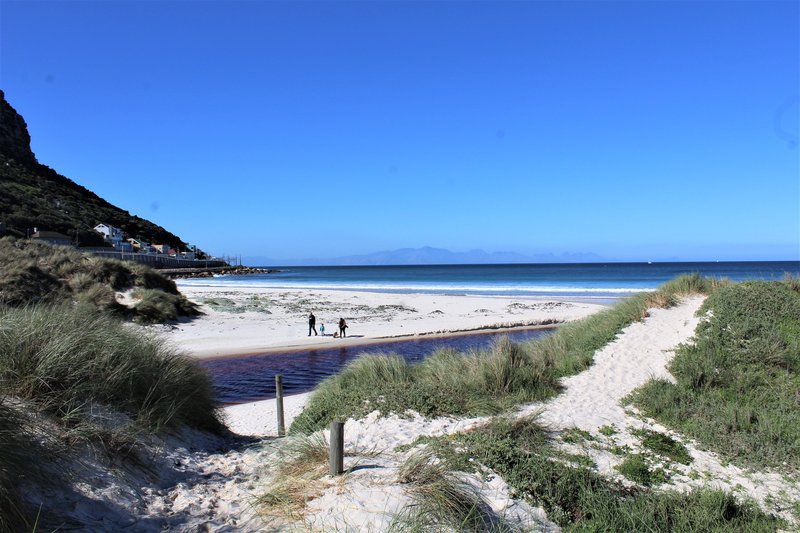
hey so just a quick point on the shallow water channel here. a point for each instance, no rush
(252, 377)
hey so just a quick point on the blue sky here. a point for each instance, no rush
(632, 130)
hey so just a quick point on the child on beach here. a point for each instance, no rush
(322, 329)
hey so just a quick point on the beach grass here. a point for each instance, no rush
(68, 360)
(579, 499)
(300, 461)
(440, 499)
(21, 455)
(487, 382)
(737, 387)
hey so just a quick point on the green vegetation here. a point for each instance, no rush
(299, 462)
(738, 386)
(636, 468)
(155, 306)
(450, 383)
(20, 457)
(66, 370)
(83, 376)
(664, 445)
(440, 499)
(255, 303)
(579, 499)
(32, 273)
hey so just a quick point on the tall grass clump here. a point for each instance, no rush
(68, 360)
(579, 499)
(154, 306)
(33, 273)
(487, 382)
(738, 386)
(20, 455)
(441, 501)
(300, 461)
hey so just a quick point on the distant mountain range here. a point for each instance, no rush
(34, 195)
(430, 256)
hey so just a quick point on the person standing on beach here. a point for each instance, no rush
(322, 329)
(342, 328)
(312, 324)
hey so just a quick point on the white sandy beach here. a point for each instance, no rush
(243, 320)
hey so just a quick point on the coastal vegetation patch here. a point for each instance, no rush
(34, 273)
(737, 387)
(487, 382)
(579, 499)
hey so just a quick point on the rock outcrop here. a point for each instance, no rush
(15, 141)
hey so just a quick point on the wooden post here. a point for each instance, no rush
(279, 404)
(336, 455)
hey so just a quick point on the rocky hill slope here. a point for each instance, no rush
(34, 195)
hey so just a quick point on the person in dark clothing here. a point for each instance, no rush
(342, 328)
(312, 324)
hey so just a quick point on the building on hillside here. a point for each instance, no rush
(141, 246)
(187, 255)
(112, 235)
(123, 246)
(51, 237)
(161, 248)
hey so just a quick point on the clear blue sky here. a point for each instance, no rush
(633, 130)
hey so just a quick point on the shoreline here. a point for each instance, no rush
(349, 342)
(239, 321)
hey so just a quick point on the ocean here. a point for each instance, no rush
(586, 280)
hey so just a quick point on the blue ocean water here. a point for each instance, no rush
(587, 280)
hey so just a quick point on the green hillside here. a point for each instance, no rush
(34, 195)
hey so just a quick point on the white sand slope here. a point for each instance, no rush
(260, 419)
(592, 398)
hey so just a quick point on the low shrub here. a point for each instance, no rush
(155, 306)
(737, 386)
(579, 499)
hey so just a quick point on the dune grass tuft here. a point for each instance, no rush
(300, 461)
(738, 386)
(20, 457)
(67, 359)
(155, 306)
(579, 499)
(451, 383)
(441, 501)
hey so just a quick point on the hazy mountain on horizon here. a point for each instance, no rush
(428, 255)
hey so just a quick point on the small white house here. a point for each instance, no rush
(111, 234)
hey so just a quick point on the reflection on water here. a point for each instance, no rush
(249, 378)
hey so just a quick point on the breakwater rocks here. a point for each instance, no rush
(176, 273)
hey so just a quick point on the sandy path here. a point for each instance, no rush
(592, 398)
(242, 320)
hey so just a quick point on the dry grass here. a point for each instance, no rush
(300, 463)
